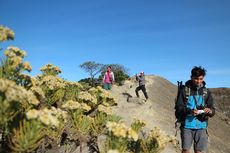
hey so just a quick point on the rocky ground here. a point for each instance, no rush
(159, 111)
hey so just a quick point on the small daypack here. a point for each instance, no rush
(180, 87)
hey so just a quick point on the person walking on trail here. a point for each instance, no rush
(195, 105)
(141, 79)
(108, 78)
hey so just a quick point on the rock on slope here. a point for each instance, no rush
(159, 111)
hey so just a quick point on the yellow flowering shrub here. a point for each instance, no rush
(50, 117)
(6, 34)
(72, 105)
(119, 136)
(160, 136)
(53, 88)
(13, 65)
(53, 121)
(106, 110)
(27, 66)
(13, 99)
(103, 96)
(156, 141)
(50, 69)
(138, 124)
(74, 84)
(80, 122)
(27, 137)
(38, 92)
(15, 56)
(106, 97)
(52, 82)
(113, 151)
(132, 134)
(72, 89)
(103, 115)
(87, 98)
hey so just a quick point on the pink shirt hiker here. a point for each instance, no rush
(108, 78)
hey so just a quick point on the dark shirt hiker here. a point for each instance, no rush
(141, 79)
(195, 109)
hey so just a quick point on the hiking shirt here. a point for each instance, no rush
(108, 77)
(141, 79)
(195, 100)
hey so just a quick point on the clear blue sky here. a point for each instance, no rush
(161, 37)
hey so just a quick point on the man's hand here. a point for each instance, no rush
(207, 111)
(195, 112)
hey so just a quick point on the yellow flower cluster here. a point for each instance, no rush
(37, 77)
(49, 117)
(105, 93)
(50, 67)
(15, 56)
(85, 96)
(6, 33)
(27, 66)
(70, 104)
(52, 82)
(14, 92)
(132, 134)
(113, 151)
(69, 83)
(93, 90)
(37, 91)
(160, 136)
(14, 52)
(32, 114)
(60, 113)
(107, 110)
(86, 107)
(36, 81)
(99, 88)
(16, 61)
(120, 130)
(139, 122)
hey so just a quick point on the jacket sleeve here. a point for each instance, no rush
(210, 103)
(104, 77)
(113, 77)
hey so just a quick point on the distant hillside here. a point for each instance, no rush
(222, 99)
(159, 110)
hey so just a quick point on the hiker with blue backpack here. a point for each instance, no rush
(194, 105)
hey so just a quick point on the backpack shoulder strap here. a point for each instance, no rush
(187, 92)
(205, 94)
(205, 91)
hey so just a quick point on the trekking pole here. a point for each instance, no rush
(179, 85)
